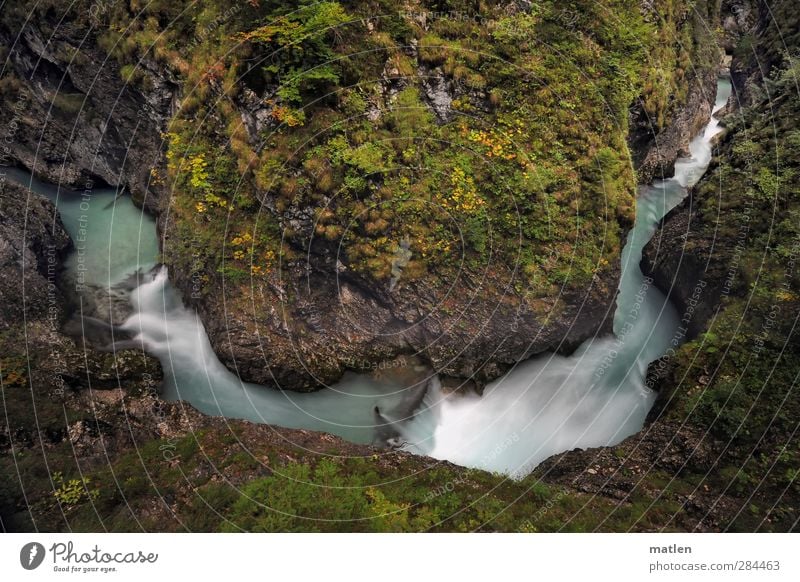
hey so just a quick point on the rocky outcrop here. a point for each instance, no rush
(33, 243)
(73, 120)
(739, 18)
(686, 262)
(348, 326)
(655, 151)
(655, 144)
(687, 267)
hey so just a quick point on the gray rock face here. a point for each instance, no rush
(655, 151)
(75, 120)
(685, 267)
(33, 243)
(334, 323)
(439, 92)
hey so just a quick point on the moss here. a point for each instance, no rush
(532, 164)
(566, 87)
(737, 379)
(70, 103)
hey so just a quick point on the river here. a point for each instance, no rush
(543, 406)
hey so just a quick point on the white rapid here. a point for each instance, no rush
(544, 406)
(193, 373)
(597, 396)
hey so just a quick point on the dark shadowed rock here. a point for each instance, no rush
(76, 121)
(33, 244)
(655, 151)
(686, 266)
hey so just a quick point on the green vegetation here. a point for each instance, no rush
(73, 491)
(529, 168)
(311, 493)
(739, 379)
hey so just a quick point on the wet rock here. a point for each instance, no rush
(686, 267)
(655, 151)
(77, 122)
(33, 245)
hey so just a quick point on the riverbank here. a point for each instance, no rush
(707, 459)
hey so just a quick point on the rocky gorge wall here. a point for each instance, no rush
(727, 259)
(70, 117)
(151, 465)
(657, 138)
(324, 284)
